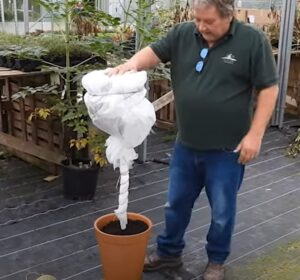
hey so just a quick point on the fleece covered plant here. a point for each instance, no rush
(118, 106)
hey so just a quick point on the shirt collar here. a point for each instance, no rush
(232, 28)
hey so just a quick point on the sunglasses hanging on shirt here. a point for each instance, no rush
(200, 64)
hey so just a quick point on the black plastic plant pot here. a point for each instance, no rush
(2, 61)
(26, 65)
(79, 180)
(10, 61)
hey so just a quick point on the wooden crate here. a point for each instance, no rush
(37, 141)
(165, 117)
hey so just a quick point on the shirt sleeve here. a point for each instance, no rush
(263, 67)
(163, 47)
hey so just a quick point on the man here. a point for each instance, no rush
(216, 62)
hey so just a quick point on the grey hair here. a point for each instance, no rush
(225, 7)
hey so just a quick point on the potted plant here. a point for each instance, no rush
(293, 149)
(80, 173)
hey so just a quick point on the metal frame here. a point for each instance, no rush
(284, 58)
(142, 149)
(26, 22)
(26, 16)
(16, 17)
(2, 14)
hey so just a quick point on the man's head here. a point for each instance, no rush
(213, 17)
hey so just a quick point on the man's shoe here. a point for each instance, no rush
(154, 262)
(214, 271)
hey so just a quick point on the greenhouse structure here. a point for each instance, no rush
(98, 159)
(31, 16)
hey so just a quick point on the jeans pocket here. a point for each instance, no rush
(231, 152)
(228, 150)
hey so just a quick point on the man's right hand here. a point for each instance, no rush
(121, 69)
(142, 60)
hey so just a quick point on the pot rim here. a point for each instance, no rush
(65, 164)
(144, 219)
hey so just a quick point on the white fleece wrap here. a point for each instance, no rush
(118, 106)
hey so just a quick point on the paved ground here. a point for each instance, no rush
(42, 233)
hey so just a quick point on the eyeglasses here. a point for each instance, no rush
(200, 64)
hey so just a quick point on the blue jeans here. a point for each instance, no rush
(190, 170)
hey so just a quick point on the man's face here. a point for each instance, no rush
(210, 23)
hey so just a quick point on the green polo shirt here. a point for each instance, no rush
(214, 107)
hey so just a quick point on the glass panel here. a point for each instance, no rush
(259, 4)
(34, 11)
(8, 10)
(20, 10)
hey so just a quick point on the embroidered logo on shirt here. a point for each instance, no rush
(229, 59)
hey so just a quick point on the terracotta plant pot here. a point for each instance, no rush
(122, 256)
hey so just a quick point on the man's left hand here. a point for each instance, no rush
(248, 148)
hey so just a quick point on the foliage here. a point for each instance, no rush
(10, 39)
(43, 113)
(96, 141)
(88, 21)
(145, 22)
(165, 19)
(169, 17)
(23, 52)
(138, 30)
(297, 28)
(65, 99)
(43, 90)
(273, 30)
(54, 44)
(150, 21)
(82, 14)
(50, 48)
(294, 148)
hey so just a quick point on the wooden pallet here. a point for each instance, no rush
(31, 140)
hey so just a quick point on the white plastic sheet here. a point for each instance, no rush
(118, 106)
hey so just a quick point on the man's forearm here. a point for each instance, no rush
(144, 59)
(265, 105)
